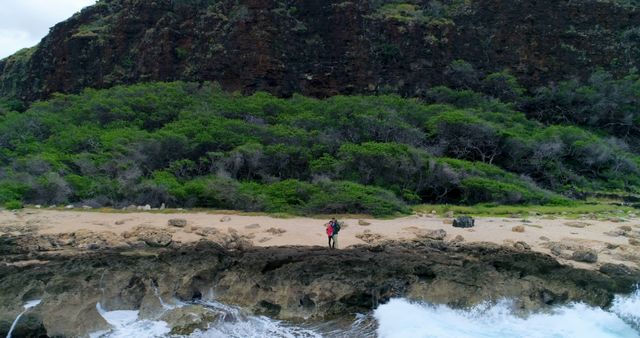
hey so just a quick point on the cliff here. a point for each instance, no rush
(323, 48)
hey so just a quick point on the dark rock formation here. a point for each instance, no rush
(323, 48)
(288, 282)
(464, 222)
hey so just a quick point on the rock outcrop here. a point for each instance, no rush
(285, 282)
(324, 48)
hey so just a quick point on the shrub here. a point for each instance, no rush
(13, 205)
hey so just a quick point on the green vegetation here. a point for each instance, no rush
(596, 209)
(193, 145)
(13, 205)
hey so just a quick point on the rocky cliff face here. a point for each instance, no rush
(281, 282)
(323, 48)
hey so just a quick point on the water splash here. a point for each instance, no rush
(28, 306)
(125, 324)
(628, 308)
(234, 323)
(401, 318)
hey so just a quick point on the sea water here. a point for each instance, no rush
(404, 319)
(401, 318)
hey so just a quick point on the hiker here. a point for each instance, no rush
(329, 227)
(336, 229)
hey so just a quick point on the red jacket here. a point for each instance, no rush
(329, 230)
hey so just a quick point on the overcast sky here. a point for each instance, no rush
(23, 23)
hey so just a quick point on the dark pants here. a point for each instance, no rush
(331, 242)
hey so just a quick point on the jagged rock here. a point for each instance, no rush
(585, 255)
(296, 283)
(438, 235)
(185, 320)
(464, 222)
(178, 222)
(521, 245)
(363, 223)
(634, 242)
(153, 237)
(518, 228)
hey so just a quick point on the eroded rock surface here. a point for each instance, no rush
(286, 282)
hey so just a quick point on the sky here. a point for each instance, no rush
(23, 23)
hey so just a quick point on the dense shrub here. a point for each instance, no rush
(193, 145)
(13, 205)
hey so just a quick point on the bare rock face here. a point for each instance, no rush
(288, 282)
(321, 48)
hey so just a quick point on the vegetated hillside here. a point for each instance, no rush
(324, 48)
(188, 144)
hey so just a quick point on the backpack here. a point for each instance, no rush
(336, 227)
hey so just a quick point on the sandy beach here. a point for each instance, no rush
(613, 242)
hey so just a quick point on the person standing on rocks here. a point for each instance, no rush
(329, 227)
(336, 229)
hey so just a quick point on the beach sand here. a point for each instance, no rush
(540, 233)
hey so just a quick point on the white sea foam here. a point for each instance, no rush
(125, 324)
(628, 308)
(234, 323)
(403, 319)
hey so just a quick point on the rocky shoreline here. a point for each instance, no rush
(293, 283)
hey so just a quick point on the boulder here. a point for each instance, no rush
(464, 222)
(225, 219)
(178, 222)
(449, 214)
(185, 320)
(518, 228)
(156, 238)
(585, 255)
(521, 245)
(70, 206)
(146, 208)
(363, 223)
(163, 206)
(544, 238)
(634, 242)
